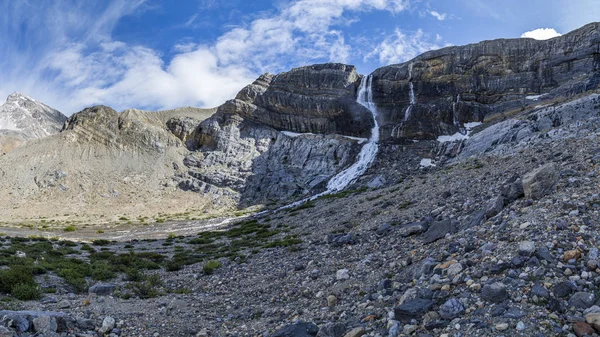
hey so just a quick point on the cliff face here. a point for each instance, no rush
(280, 137)
(476, 82)
(317, 99)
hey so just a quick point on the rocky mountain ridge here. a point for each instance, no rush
(22, 118)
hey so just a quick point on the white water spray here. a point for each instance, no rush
(367, 153)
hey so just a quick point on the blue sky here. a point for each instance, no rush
(159, 54)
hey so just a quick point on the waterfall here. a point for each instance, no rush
(369, 150)
(366, 155)
(411, 94)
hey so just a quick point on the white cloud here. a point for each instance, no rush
(541, 34)
(401, 47)
(81, 65)
(439, 16)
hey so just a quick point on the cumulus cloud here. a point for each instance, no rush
(81, 64)
(541, 34)
(439, 16)
(401, 47)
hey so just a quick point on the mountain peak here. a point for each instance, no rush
(17, 96)
(30, 118)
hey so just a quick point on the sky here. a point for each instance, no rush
(163, 54)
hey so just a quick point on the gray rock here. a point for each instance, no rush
(539, 291)
(412, 309)
(543, 253)
(412, 228)
(6, 332)
(494, 206)
(341, 239)
(564, 289)
(107, 325)
(526, 248)
(495, 292)
(514, 313)
(540, 181)
(102, 289)
(439, 229)
(451, 309)
(582, 300)
(331, 330)
(300, 329)
(342, 274)
(45, 324)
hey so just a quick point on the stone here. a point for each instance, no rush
(64, 304)
(592, 264)
(331, 330)
(564, 289)
(520, 326)
(45, 324)
(582, 300)
(340, 240)
(574, 254)
(494, 206)
(539, 182)
(356, 332)
(454, 269)
(331, 300)
(539, 291)
(581, 329)
(526, 248)
(6, 332)
(299, 329)
(202, 333)
(413, 228)
(107, 325)
(102, 289)
(514, 313)
(451, 309)
(412, 309)
(543, 253)
(495, 292)
(593, 319)
(342, 274)
(438, 230)
(501, 326)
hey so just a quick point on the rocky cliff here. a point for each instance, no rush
(318, 99)
(283, 136)
(481, 81)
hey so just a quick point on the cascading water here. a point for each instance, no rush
(367, 153)
(411, 94)
(411, 102)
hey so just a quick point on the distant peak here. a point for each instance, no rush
(16, 96)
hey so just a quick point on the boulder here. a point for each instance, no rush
(541, 181)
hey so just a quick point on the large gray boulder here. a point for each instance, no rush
(541, 181)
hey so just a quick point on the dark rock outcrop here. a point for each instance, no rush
(317, 99)
(478, 82)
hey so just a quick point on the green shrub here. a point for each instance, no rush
(210, 267)
(100, 242)
(70, 229)
(26, 292)
(15, 275)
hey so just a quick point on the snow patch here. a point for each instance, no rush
(459, 136)
(426, 162)
(535, 97)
